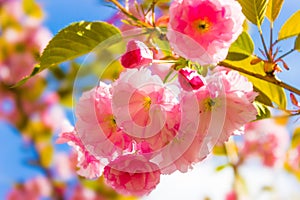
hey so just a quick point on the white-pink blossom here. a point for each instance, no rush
(142, 104)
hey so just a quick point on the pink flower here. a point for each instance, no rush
(189, 79)
(142, 103)
(266, 139)
(96, 125)
(132, 175)
(232, 195)
(293, 159)
(137, 55)
(81, 192)
(203, 30)
(222, 106)
(89, 165)
(64, 166)
(190, 145)
(230, 103)
(34, 189)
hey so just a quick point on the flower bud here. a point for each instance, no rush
(137, 55)
(190, 80)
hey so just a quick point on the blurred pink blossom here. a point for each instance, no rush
(293, 159)
(23, 41)
(33, 189)
(83, 193)
(232, 195)
(266, 139)
(203, 30)
(64, 166)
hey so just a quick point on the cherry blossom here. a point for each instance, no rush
(89, 165)
(266, 139)
(142, 104)
(132, 175)
(203, 30)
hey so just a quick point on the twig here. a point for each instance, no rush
(287, 53)
(130, 15)
(267, 78)
(264, 44)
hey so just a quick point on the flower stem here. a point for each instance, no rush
(168, 75)
(267, 78)
(129, 14)
(264, 44)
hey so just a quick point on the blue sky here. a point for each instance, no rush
(13, 152)
(60, 13)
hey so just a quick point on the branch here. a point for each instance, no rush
(267, 78)
(129, 14)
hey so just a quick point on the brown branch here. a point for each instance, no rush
(267, 78)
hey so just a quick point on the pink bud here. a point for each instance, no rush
(137, 55)
(189, 79)
(232, 195)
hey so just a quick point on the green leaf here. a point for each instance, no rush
(35, 70)
(273, 9)
(74, 41)
(262, 111)
(254, 10)
(262, 97)
(291, 27)
(242, 48)
(297, 43)
(273, 92)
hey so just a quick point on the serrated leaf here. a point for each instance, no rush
(273, 9)
(35, 70)
(76, 40)
(242, 48)
(297, 43)
(291, 27)
(254, 10)
(262, 111)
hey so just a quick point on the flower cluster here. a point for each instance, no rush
(142, 125)
(266, 139)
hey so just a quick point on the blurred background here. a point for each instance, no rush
(33, 166)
